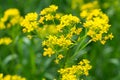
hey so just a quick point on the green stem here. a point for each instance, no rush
(78, 47)
(81, 49)
(32, 61)
(80, 43)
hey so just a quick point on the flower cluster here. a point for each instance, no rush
(5, 41)
(47, 29)
(30, 22)
(53, 40)
(57, 33)
(55, 43)
(62, 36)
(74, 72)
(76, 4)
(58, 58)
(97, 25)
(48, 13)
(50, 10)
(86, 8)
(96, 22)
(67, 21)
(61, 32)
(11, 77)
(64, 30)
(11, 17)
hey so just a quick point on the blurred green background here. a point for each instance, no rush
(24, 57)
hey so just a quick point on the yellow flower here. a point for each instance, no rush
(50, 9)
(67, 20)
(73, 31)
(2, 25)
(103, 42)
(77, 32)
(29, 36)
(69, 77)
(11, 17)
(86, 8)
(49, 17)
(11, 77)
(97, 26)
(56, 61)
(1, 76)
(60, 56)
(41, 20)
(111, 36)
(48, 51)
(31, 16)
(10, 12)
(58, 15)
(53, 40)
(5, 41)
(71, 73)
(76, 3)
(84, 13)
(63, 42)
(91, 5)
(30, 22)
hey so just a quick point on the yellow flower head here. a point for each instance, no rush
(30, 22)
(90, 5)
(48, 51)
(67, 20)
(76, 3)
(86, 8)
(49, 10)
(97, 26)
(10, 18)
(11, 77)
(71, 73)
(5, 41)
(60, 56)
(10, 12)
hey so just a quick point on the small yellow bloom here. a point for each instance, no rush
(30, 22)
(11, 77)
(111, 36)
(1, 76)
(56, 61)
(43, 79)
(67, 20)
(48, 51)
(41, 20)
(97, 26)
(5, 41)
(2, 25)
(57, 16)
(31, 16)
(29, 36)
(60, 56)
(10, 18)
(70, 73)
(24, 30)
(77, 32)
(49, 17)
(103, 42)
(91, 5)
(51, 9)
